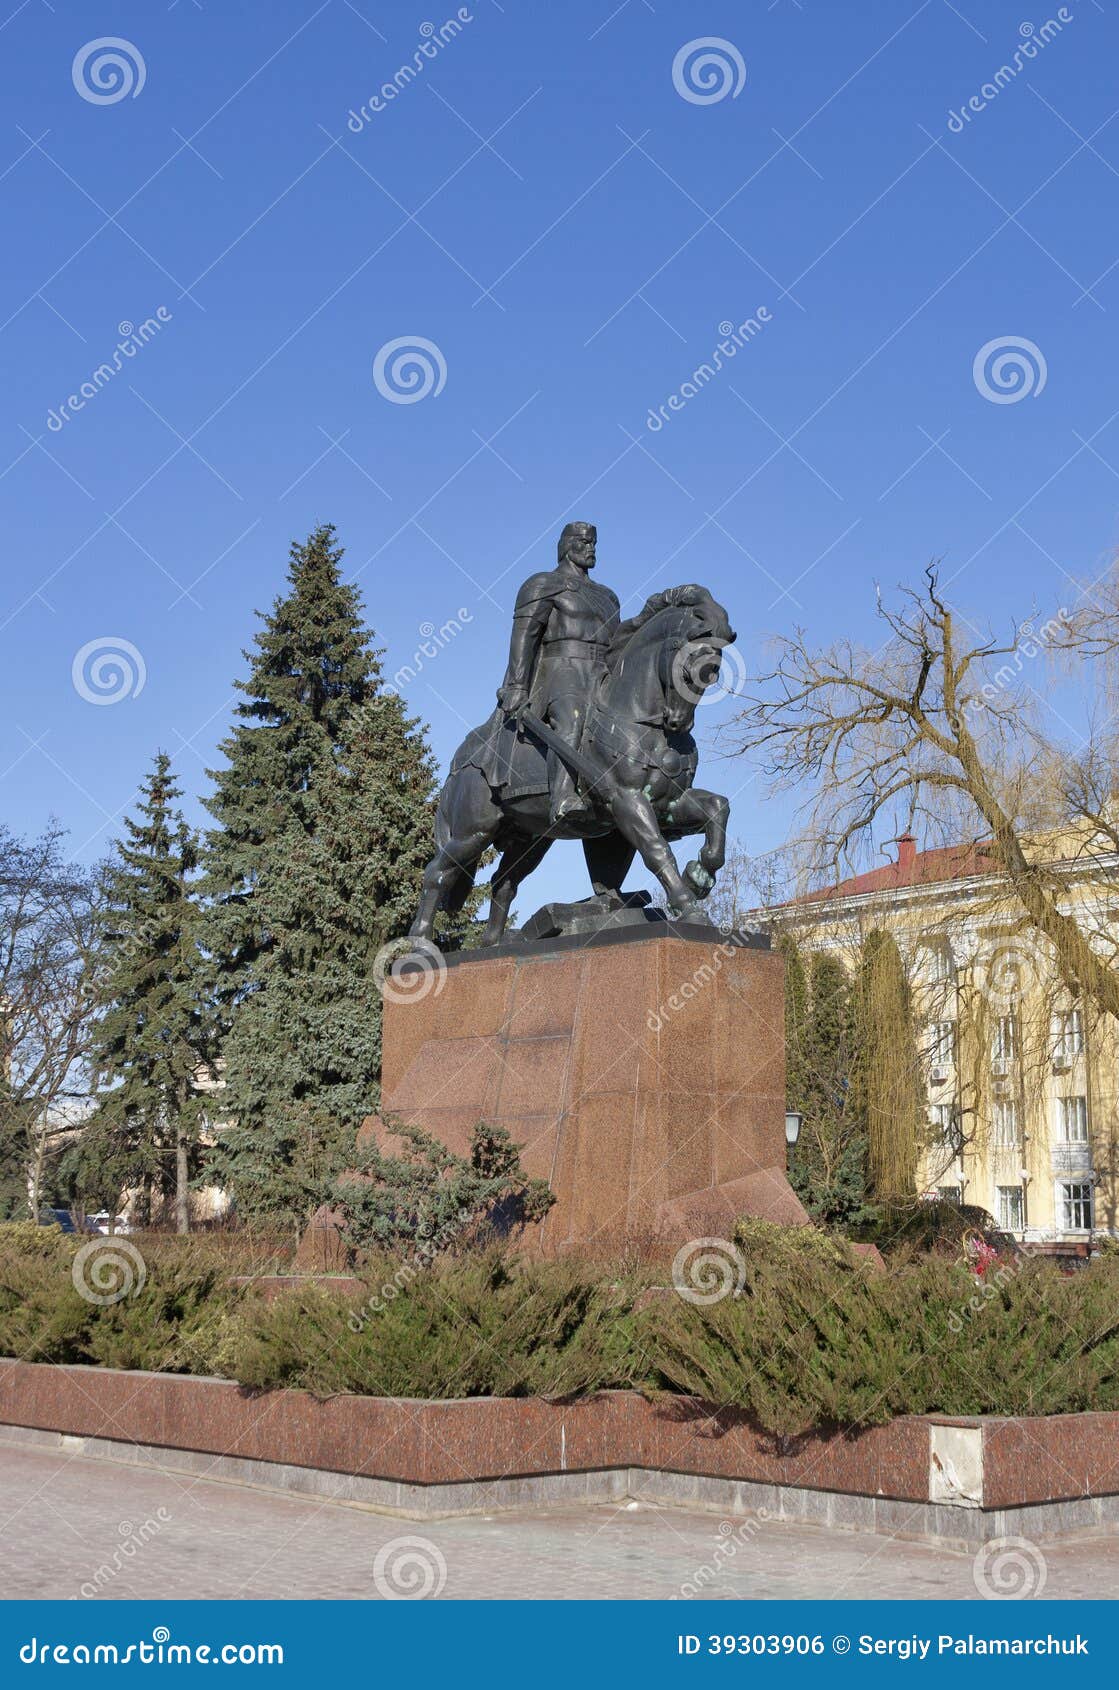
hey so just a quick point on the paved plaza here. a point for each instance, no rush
(73, 1527)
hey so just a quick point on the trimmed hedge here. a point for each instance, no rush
(804, 1337)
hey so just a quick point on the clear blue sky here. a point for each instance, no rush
(545, 205)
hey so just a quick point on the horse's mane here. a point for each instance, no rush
(672, 598)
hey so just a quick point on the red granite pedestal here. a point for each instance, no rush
(645, 1079)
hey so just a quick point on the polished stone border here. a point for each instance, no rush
(466, 1440)
(960, 1480)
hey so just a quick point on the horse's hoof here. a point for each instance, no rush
(689, 912)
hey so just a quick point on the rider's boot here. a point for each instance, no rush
(567, 809)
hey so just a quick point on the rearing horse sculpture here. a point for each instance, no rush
(637, 761)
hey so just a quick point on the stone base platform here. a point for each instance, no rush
(642, 1069)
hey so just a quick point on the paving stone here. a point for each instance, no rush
(71, 1526)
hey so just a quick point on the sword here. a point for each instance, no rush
(574, 759)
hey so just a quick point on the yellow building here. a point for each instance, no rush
(1020, 1080)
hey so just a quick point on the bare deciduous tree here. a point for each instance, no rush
(47, 938)
(944, 729)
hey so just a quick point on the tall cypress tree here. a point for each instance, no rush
(324, 812)
(888, 1091)
(153, 1038)
(796, 1023)
(828, 1168)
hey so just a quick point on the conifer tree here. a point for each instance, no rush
(796, 1022)
(828, 1050)
(311, 666)
(153, 1038)
(325, 820)
(886, 1074)
(828, 1169)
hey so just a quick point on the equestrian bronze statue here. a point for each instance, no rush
(591, 740)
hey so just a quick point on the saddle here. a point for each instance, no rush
(513, 763)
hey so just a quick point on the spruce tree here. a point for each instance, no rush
(325, 814)
(312, 665)
(153, 1038)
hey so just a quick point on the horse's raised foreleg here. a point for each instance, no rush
(636, 820)
(706, 812)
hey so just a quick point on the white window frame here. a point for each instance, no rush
(1007, 1136)
(946, 1124)
(1072, 1119)
(1005, 1038)
(1069, 1040)
(1068, 1204)
(943, 1043)
(1014, 1199)
(940, 964)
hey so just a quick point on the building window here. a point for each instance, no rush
(943, 1041)
(1072, 1120)
(940, 964)
(1068, 1035)
(946, 1127)
(1006, 1123)
(1004, 1044)
(949, 1193)
(1010, 1208)
(1074, 1206)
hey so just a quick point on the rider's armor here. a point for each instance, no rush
(563, 624)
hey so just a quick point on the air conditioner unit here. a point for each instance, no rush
(939, 1074)
(1061, 1063)
(1000, 1068)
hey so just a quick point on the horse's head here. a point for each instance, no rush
(664, 659)
(701, 634)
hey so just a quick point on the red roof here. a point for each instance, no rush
(914, 868)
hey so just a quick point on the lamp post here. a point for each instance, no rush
(793, 1122)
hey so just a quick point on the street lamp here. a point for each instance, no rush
(793, 1122)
